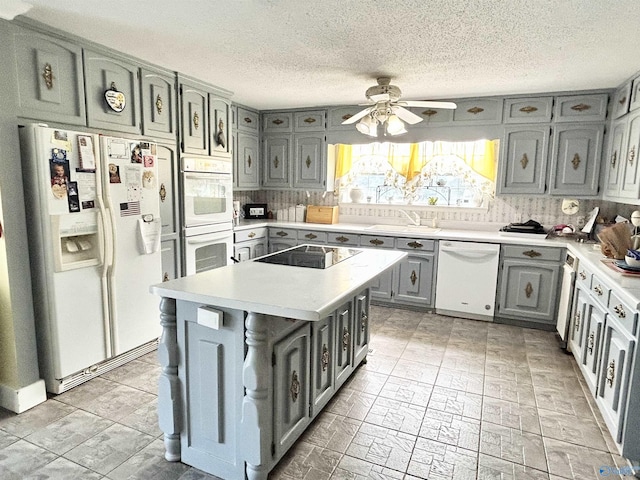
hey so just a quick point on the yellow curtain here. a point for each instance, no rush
(344, 160)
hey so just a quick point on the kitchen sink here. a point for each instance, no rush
(403, 228)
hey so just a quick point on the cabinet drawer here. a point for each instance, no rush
(528, 110)
(310, 121)
(532, 252)
(621, 101)
(376, 241)
(416, 244)
(483, 110)
(350, 239)
(250, 234)
(580, 108)
(626, 316)
(277, 122)
(289, 233)
(600, 291)
(312, 236)
(247, 120)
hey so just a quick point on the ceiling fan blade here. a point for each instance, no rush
(428, 104)
(406, 115)
(381, 97)
(354, 118)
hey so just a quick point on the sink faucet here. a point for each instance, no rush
(415, 220)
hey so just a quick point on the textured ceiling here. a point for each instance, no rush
(292, 53)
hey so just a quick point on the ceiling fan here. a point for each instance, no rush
(387, 109)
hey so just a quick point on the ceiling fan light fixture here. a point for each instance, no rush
(394, 125)
(368, 126)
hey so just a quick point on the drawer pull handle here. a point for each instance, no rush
(575, 161)
(611, 373)
(47, 74)
(528, 291)
(342, 239)
(623, 100)
(529, 109)
(251, 235)
(620, 311)
(614, 158)
(475, 110)
(531, 253)
(325, 357)
(632, 155)
(277, 121)
(159, 104)
(591, 342)
(583, 275)
(598, 290)
(309, 120)
(247, 120)
(376, 242)
(413, 277)
(581, 107)
(282, 234)
(415, 244)
(275, 162)
(363, 321)
(429, 113)
(524, 161)
(310, 236)
(165, 277)
(307, 162)
(577, 321)
(295, 386)
(346, 336)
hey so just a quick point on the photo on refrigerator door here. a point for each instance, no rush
(59, 177)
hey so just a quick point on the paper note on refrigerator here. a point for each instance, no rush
(149, 234)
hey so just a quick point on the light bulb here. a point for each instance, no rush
(368, 126)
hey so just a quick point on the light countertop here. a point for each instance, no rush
(282, 290)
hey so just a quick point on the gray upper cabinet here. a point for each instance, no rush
(309, 121)
(310, 154)
(194, 119)
(615, 157)
(112, 87)
(277, 122)
(50, 78)
(247, 121)
(337, 115)
(629, 175)
(159, 104)
(581, 108)
(575, 160)
(247, 161)
(523, 160)
(635, 94)
(277, 161)
(219, 116)
(621, 101)
(528, 110)
(484, 111)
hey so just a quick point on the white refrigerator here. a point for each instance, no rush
(93, 215)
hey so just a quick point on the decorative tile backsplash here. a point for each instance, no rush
(503, 209)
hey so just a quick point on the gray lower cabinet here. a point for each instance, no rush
(528, 284)
(112, 87)
(170, 254)
(323, 350)
(50, 81)
(159, 104)
(250, 243)
(523, 160)
(282, 238)
(291, 388)
(575, 160)
(344, 345)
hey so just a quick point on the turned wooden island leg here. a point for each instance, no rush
(256, 415)
(169, 405)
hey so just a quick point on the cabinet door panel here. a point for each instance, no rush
(614, 376)
(617, 143)
(322, 363)
(594, 323)
(576, 329)
(276, 172)
(50, 79)
(523, 163)
(247, 169)
(170, 254)
(576, 160)
(167, 189)
(361, 327)
(291, 388)
(415, 277)
(159, 105)
(382, 287)
(104, 73)
(309, 121)
(344, 343)
(309, 157)
(220, 141)
(630, 181)
(195, 123)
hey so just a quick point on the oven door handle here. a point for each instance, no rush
(194, 241)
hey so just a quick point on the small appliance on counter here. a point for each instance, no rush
(530, 226)
(255, 211)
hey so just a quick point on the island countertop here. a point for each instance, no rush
(282, 290)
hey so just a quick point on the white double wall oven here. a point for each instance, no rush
(207, 211)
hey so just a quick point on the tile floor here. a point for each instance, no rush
(440, 398)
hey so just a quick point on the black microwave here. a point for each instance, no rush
(255, 210)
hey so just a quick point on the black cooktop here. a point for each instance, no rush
(311, 256)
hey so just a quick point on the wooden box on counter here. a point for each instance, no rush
(318, 214)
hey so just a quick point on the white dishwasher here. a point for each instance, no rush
(467, 279)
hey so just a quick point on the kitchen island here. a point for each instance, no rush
(252, 352)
